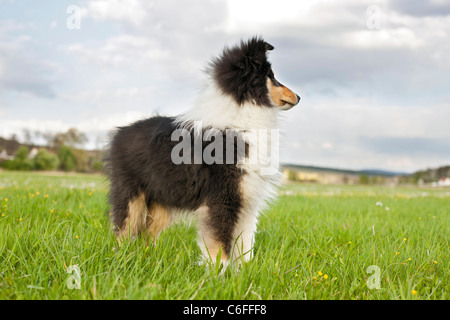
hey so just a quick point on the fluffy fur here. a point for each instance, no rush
(148, 191)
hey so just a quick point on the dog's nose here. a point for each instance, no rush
(298, 99)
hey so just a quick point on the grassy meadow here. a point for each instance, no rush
(315, 242)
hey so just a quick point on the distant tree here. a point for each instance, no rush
(75, 138)
(48, 137)
(373, 180)
(57, 140)
(418, 175)
(67, 158)
(22, 153)
(46, 160)
(37, 134)
(364, 179)
(97, 165)
(20, 161)
(431, 175)
(443, 172)
(292, 176)
(27, 135)
(81, 160)
(72, 138)
(381, 180)
(13, 138)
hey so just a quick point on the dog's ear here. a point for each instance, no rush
(269, 47)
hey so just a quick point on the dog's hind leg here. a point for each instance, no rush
(158, 218)
(135, 219)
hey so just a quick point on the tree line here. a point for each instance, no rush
(61, 151)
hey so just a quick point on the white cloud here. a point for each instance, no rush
(122, 51)
(265, 11)
(21, 71)
(131, 11)
(385, 39)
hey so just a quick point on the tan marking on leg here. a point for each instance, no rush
(209, 246)
(158, 219)
(135, 221)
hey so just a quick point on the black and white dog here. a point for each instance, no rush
(151, 186)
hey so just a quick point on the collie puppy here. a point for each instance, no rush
(211, 162)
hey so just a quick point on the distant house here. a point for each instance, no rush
(33, 153)
(443, 182)
(4, 156)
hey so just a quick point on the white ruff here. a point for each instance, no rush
(218, 110)
(214, 109)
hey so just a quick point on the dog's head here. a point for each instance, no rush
(244, 73)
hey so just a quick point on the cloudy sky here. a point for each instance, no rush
(374, 76)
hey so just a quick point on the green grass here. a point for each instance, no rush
(49, 223)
